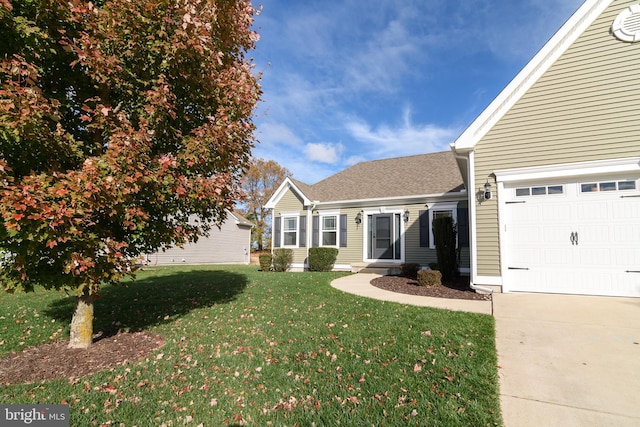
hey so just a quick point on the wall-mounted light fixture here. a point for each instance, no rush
(359, 218)
(406, 216)
(487, 190)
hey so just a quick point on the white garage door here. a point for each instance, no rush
(580, 237)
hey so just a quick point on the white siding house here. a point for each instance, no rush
(230, 244)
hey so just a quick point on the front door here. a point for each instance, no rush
(382, 237)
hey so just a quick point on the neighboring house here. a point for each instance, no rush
(560, 149)
(229, 244)
(378, 214)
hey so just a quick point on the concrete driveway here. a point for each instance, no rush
(568, 360)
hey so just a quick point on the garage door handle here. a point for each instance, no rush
(574, 238)
(632, 271)
(518, 268)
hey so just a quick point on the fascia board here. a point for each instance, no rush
(282, 190)
(540, 64)
(462, 195)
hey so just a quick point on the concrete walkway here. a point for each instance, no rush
(564, 360)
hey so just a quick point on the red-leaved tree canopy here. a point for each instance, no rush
(119, 119)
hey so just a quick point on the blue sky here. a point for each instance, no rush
(346, 81)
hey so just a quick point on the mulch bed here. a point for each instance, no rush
(57, 360)
(457, 288)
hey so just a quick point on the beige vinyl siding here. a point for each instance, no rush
(583, 108)
(353, 252)
(414, 253)
(291, 202)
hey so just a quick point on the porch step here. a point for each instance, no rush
(382, 269)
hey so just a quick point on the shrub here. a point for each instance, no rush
(444, 234)
(429, 278)
(409, 270)
(265, 262)
(322, 259)
(282, 259)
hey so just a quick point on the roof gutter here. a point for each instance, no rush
(460, 195)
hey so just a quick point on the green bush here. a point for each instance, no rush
(265, 262)
(282, 259)
(429, 278)
(409, 270)
(322, 259)
(444, 234)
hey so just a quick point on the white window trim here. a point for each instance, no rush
(284, 216)
(365, 233)
(441, 207)
(322, 215)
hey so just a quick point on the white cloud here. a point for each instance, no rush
(273, 134)
(323, 152)
(404, 139)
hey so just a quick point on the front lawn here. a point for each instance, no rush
(245, 347)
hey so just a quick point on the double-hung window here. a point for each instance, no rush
(329, 230)
(290, 231)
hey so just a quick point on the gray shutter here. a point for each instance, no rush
(303, 231)
(343, 231)
(424, 228)
(276, 231)
(315, 231)
(463, 227)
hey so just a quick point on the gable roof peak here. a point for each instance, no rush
(536, 68)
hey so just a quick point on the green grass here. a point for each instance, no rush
(245, 347)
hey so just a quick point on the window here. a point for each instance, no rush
(593, 187)
(541, 190)
(329, 230)
(290, 230)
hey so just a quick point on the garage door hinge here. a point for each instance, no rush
(518, 268)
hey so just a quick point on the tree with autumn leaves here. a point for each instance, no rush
(119, 119)
(259, 183)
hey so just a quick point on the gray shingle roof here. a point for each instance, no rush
(434, 173)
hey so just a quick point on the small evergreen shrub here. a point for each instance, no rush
(409, 270)
(444, 234)
(429, 278)
(265, 262)
(322, 259)
(282, 259)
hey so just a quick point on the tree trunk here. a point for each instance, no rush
(82, 322)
